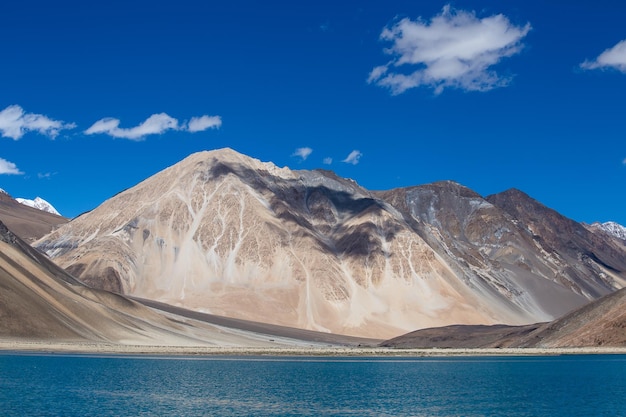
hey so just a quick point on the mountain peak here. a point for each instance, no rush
(454, 188)
(223, 154)
(513, 193)
(612, 228)
(236, 161)
(38, 203)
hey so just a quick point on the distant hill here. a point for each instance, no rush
(614, 229)
(40, 204)
(600, 323)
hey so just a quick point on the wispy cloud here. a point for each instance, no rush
(154, 125)
(302, 153)
(353, 158)
(199, 124)
(327, 161)
(15, 122)
(46, 175)
(624, 161)
(614, 57)
(9, 168)
(455, 49)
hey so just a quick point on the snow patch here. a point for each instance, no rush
(38, 203)
(612, 228)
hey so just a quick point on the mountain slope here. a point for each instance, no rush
(579, 253)
(41, 302)
(497, 253)
(223, 233)
(27, 222)
(599, 323)
(462, 337)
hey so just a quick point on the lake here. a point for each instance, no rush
(82, 385)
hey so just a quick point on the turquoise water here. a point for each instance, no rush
(63, 385)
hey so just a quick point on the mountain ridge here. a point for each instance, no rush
(612, 228)
(224, 233)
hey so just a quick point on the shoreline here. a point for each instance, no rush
(94, 348)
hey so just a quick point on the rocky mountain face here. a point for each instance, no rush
(40, 302)
(226, 234)
(28, 223)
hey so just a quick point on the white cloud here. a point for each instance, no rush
(302, 153)
(199, 124)
(327, 161)
(614, 57)
(14, 123)
(455, 49)
(353, 158)
(9, 168)
(153, 125)
(624, 161)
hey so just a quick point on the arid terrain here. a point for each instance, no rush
(41, 304)
(222, 252)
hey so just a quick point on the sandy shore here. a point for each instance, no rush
(103, 348)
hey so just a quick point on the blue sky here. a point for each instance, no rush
(97, 96)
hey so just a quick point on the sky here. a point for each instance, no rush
(528, 94)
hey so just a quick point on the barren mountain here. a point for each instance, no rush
(226, 234)
(28, 223)
(580, 253)
(531, 267)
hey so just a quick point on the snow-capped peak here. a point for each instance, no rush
(3, 192)
(39, 203)
(614, 229)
